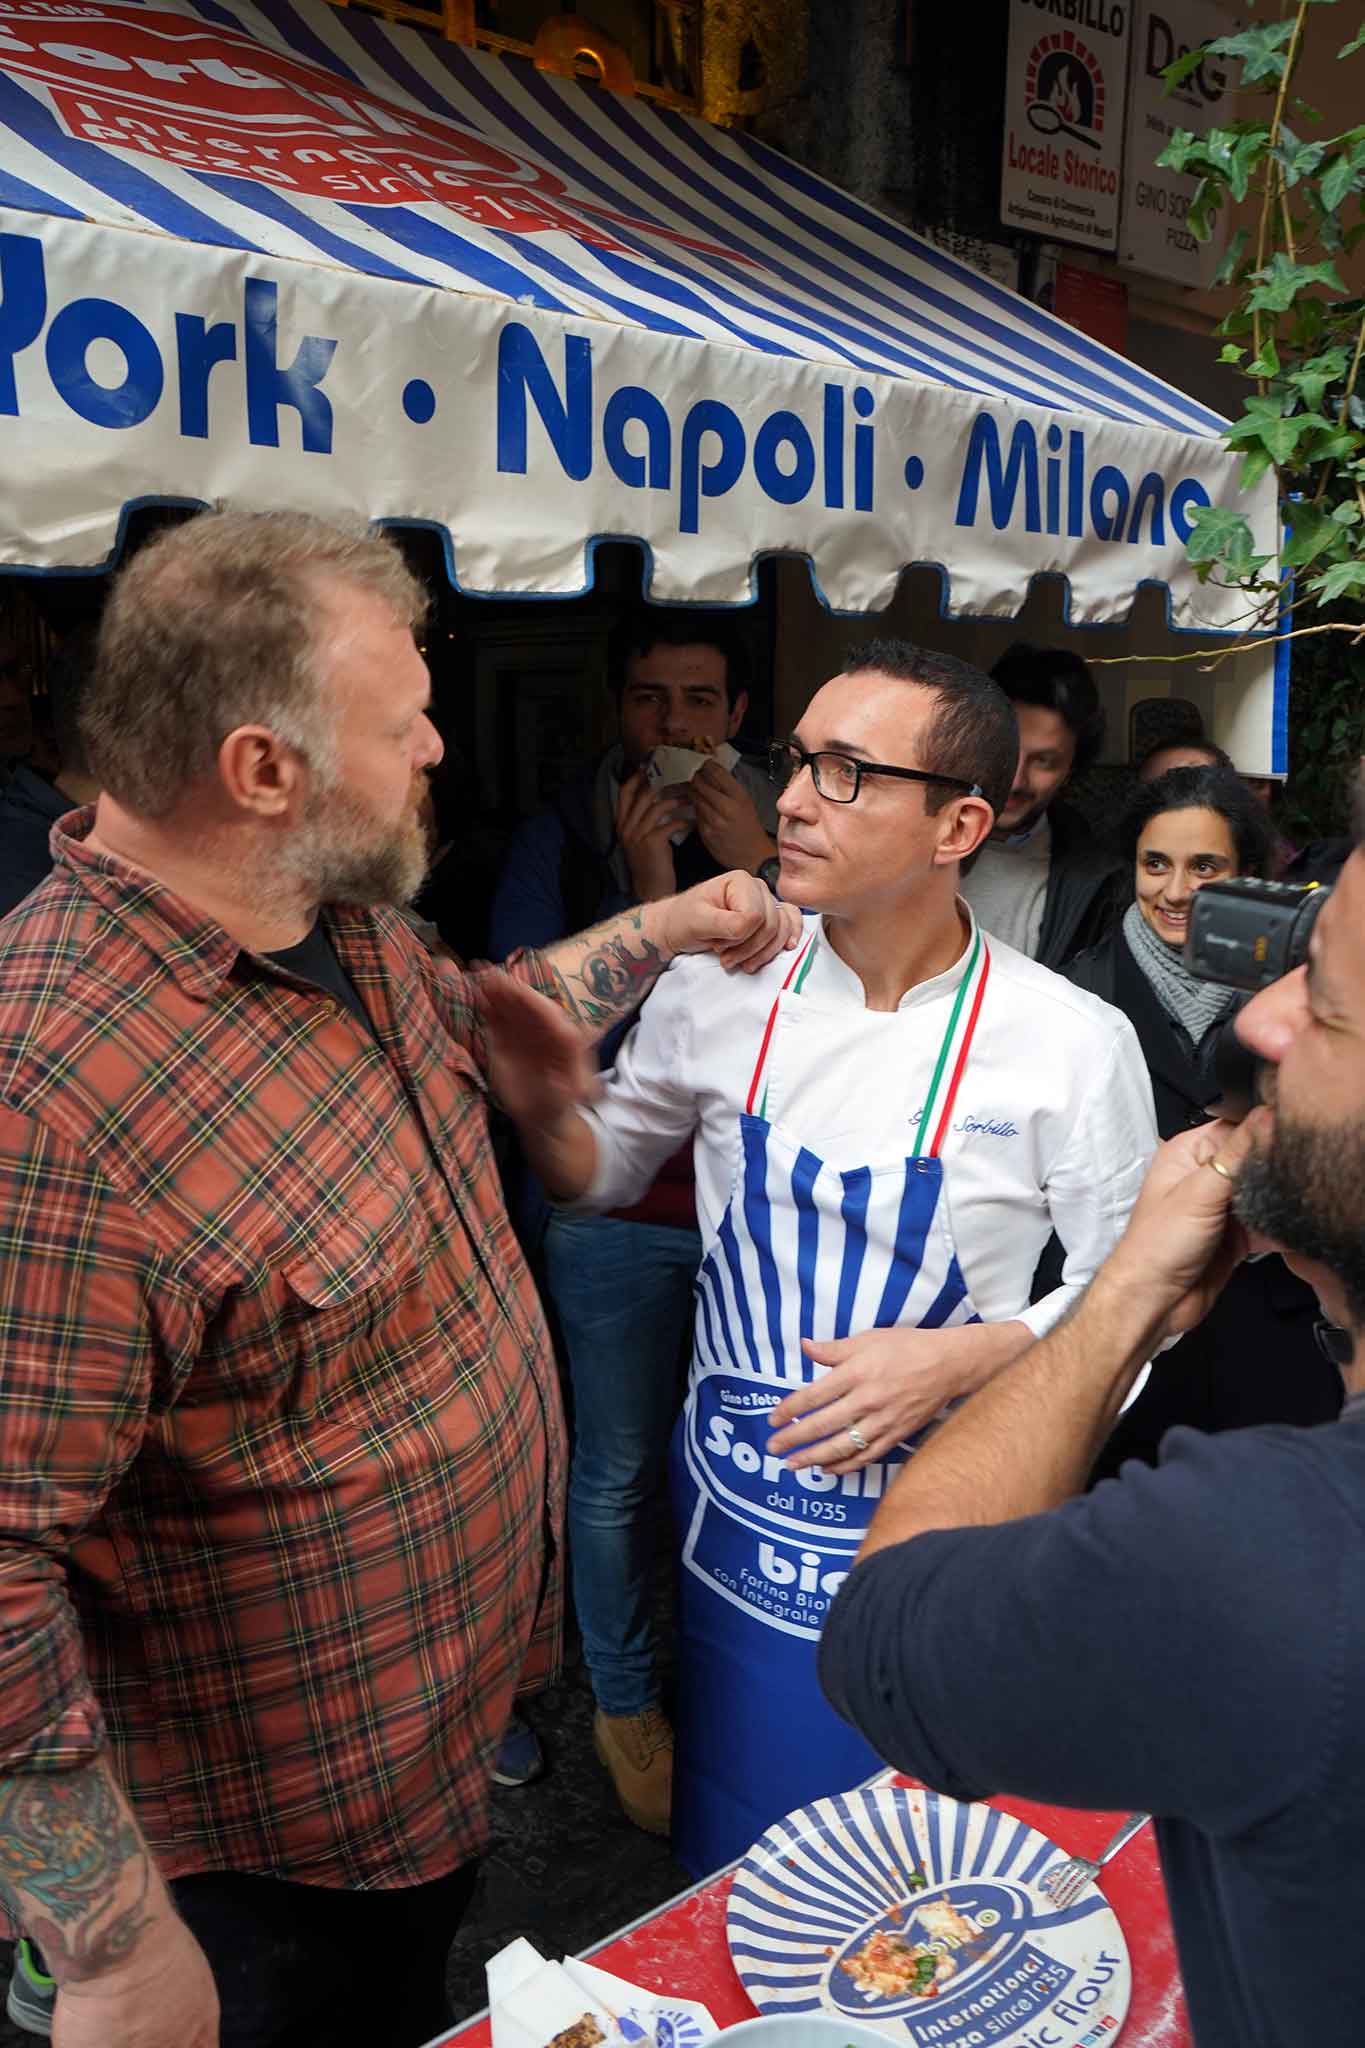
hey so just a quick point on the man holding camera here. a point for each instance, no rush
(1188, 1640)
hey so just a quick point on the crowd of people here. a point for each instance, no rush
(830, 1082)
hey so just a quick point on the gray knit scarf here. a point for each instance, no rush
(1196, 1005)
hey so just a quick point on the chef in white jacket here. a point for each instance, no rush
(889, 1122)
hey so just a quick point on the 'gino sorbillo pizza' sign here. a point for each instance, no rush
(1064, 104)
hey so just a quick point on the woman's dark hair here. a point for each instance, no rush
(1202, 789)
(1055, 679)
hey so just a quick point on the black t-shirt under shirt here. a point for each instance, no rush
(315, 959)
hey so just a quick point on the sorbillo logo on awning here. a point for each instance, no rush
(219, 103)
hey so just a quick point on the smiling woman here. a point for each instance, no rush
(1185, 828)
(1254, 1358)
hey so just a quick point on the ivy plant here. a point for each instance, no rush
(1297, 333)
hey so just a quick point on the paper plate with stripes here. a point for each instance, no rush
(920, 1915)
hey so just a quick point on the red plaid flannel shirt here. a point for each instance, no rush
(281, 1447)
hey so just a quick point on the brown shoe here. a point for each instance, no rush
(637, 1749)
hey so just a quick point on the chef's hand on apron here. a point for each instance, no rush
(884, 1385)
(736, 917)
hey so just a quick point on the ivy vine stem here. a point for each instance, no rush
(1273, 187)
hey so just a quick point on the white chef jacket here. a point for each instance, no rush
(1052, 1128)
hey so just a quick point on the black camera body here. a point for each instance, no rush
(1246, 934)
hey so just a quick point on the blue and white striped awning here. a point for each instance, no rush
(294, 255)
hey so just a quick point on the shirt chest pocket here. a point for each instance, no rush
(352, 1304)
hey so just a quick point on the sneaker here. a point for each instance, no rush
(637, 1750)
(32, 1996)
(520, 1758)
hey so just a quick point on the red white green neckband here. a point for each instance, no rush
(952, 1053)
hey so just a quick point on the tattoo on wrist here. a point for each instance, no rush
(74, 1871)
(614, 975)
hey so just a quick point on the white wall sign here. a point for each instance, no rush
(1153, 235)
(1064, 101)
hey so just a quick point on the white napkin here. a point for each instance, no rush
(530, 2001)
(666, 767)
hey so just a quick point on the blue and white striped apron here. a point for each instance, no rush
(809, 1246)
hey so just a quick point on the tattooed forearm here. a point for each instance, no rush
(603, 974)
(74, 1869)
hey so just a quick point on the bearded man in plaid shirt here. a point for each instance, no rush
(281, 1457)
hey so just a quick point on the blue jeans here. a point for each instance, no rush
(623, 1292)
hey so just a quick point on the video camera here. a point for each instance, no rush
(1246, 934)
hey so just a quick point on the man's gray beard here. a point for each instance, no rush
(1305, 1191)
(341, 856)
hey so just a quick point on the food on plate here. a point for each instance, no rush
(892, 1967)
(944, 1923)
(897, 1965)
(584, 2033)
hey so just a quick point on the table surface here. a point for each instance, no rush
(681, 1948)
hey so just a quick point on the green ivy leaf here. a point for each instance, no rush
(1182, 145)
(1341, 177)
(1212, 530)
(1230, 353)
(1208, 197)
(1254, 466)
(1282, 280)
(1310, 316)
(1221, 537)
(1232, 257)
(1298, 159)
(1312, 378)
(1349, 49)
(1341, 579)
(1336, 444)
(1347, 514)
(1183, 66)
(1260, 49)
(1267, 363)
(1311, 533)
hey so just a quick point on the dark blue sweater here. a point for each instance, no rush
(29, 808)
(1188, 1640)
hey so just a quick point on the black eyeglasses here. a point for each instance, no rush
(839, 777)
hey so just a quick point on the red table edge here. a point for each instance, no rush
(1177, 2036)
(703, 1884)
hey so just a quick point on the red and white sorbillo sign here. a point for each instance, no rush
(216, 101)
(1065, 89)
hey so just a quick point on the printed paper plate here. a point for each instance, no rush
(921, 1916)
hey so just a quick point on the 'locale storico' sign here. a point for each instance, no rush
(1064, 104)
